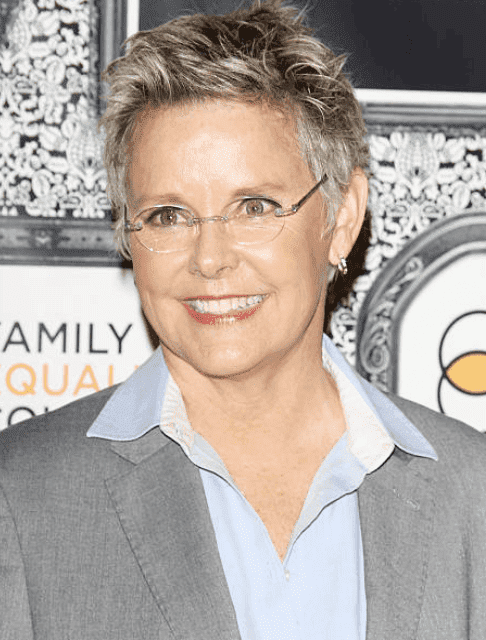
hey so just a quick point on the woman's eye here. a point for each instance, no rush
(164, 217)
(258, 207)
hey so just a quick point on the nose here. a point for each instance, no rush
(213, 251)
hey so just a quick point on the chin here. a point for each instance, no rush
(225, 365)
(220, 362)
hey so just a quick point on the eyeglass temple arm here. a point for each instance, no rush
(295, 207)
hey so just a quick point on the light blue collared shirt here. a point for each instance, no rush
(318, 591)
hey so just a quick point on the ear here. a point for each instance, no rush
(350, 217)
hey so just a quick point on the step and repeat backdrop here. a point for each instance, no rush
(414, 320)
(70, 320)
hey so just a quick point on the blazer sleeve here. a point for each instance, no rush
(15, 618)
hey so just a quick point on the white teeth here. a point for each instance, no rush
(220, 307)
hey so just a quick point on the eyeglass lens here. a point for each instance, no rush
(241, 229)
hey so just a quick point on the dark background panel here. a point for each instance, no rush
(435, 45)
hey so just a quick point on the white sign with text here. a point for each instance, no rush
(65, 332)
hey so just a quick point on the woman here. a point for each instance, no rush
(244, 482)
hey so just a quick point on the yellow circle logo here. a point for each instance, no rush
(461, 391)
(468, 373)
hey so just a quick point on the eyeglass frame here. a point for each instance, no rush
(192, 221)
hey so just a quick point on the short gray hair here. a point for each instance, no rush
(261, 54)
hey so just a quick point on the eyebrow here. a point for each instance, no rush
(148, 201)
(260, 189)
(265, 188)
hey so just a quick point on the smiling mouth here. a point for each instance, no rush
(224, 306)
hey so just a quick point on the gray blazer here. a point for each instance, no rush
(109, 540)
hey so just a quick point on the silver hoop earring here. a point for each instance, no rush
(342, 266)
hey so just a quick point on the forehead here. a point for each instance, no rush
(214, 140)
(217, 113)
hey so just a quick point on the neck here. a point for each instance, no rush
(292, 402)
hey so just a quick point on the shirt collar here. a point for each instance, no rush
(404, 434)
(136, 405)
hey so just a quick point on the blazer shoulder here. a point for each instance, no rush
(460, 448)
(63, 427)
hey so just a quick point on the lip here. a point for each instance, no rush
(226, 318)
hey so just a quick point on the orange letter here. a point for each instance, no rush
(82, 385)
(26, 387)
(45, 373)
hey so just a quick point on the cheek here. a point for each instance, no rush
(155, 299)
(144, 279)
(303, 260)
(151, 279)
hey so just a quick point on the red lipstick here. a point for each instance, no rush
(210, 318)
(232, 315)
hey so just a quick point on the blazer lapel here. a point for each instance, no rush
(396, 505)
(163, 510)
